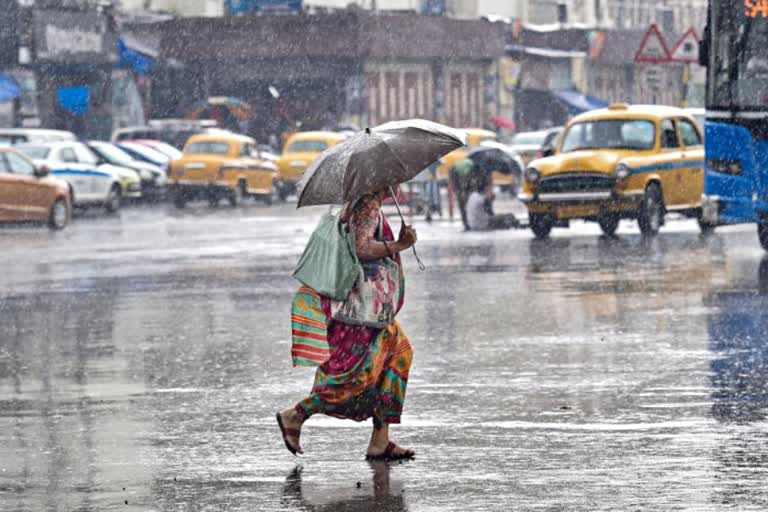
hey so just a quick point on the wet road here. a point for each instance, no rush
(142, 359)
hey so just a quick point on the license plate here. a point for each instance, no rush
(569, 212)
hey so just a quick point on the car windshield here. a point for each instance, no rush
(529, 139)
(166, 149)
(36, 152)
(112, 154)
(207, 148)
(307, 146)
(610, 134)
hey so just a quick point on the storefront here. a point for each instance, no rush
(74, 54)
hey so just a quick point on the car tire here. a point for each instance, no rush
(112, 203)
(213, 200)
(268, 199)
(651, 211)
(282, 194)
(236, 195)
(58, 218)
(179, 200)
(609, 223)
(541, 225)
(762, 233)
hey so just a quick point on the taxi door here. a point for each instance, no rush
(259, 177)
(669, 164)
(693, 157)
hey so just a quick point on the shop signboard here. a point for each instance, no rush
(69, 36)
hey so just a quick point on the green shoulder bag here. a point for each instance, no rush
(329, 263)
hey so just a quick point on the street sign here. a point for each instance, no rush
(653, 48)
(687, 48)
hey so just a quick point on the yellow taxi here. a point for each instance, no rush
(635, 162)
(220, 166)
(474, 137)
(299, 151)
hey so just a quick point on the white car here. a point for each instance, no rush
(153, 179)
(14, 136)
(90, 183)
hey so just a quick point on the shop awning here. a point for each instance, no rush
(133, 55)
(9, 89)
(577, 102)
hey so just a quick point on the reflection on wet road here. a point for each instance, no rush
(142, 359)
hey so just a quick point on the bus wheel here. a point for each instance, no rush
(652, 211)
(762, 233)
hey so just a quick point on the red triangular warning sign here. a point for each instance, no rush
(653, 48)
(687, 48)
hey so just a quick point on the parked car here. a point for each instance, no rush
(89, 183)
(152, 177)
(531, 145)
(624, 161)
(145, 153)
(214, 167)
(158, 145)
(14, 136)
(28, 193)
(175, 132)
(299, 151)
(474, 137)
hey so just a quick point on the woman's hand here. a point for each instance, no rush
(407, 237)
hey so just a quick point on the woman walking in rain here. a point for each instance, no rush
(367, 372)
(362, 353)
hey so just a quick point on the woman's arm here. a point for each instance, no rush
(364, 219)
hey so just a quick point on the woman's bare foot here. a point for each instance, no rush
(292, 423)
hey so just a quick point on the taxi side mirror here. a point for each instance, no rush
(547, 151)
(41, 171)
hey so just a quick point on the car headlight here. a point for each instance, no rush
(724, 166)
(621, 171)
(532, 174)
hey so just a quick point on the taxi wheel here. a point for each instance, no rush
(652, 211)
(236, 195)
(282, 194)
(59, 216)
(112, 203)
(762, 233)
(608, 224)
(705, 227)
(179, 201)
(541, 225)
(213, 200)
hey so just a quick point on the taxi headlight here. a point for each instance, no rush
(532, 174)
(621, 171)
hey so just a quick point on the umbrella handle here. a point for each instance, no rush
(402, 219)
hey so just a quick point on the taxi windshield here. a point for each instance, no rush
(307, 146)
(610, 134)
(208, 148)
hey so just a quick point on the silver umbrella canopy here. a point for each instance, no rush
(375, 159)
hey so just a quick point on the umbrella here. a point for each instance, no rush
(491, 158)
(374, 159)
(227, 111)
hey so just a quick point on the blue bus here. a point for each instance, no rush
(734, 49)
